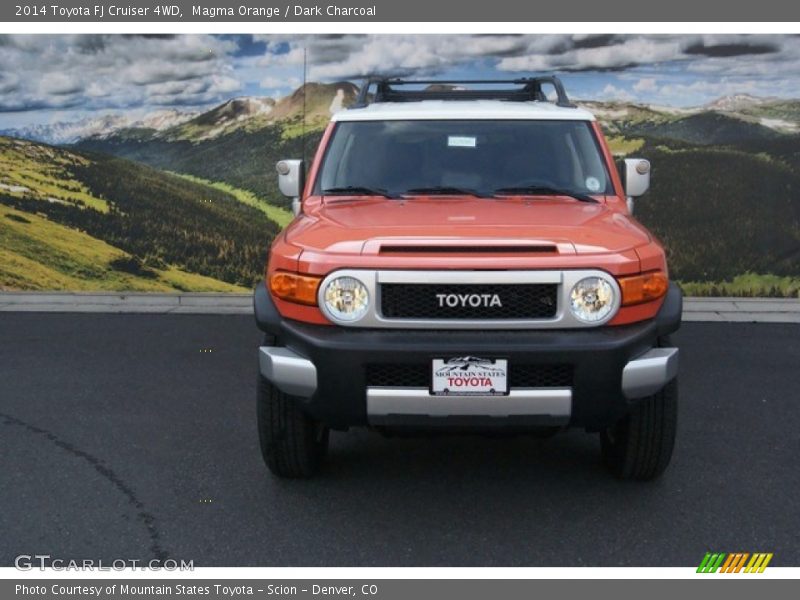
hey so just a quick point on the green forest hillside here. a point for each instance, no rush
(38, 254)
(115, 224)
(705, 129)
(242, 158)
(723, 212)
(239, 141)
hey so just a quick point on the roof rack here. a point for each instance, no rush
(528, 89)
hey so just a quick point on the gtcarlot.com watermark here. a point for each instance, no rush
(29, 562)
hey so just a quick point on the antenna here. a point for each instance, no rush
(305, 91)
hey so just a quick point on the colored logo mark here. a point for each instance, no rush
(736, 562)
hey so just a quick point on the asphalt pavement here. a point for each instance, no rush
(133, 437)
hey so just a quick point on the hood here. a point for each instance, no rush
(361, 225)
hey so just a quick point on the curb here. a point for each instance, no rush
(742, 310)
(726, 310)
(115, 302)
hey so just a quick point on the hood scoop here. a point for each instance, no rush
(395, 249)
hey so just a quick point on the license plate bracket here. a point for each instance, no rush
(469, 376)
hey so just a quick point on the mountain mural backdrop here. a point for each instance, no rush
(185, 198)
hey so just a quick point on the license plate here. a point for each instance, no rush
(469, 375)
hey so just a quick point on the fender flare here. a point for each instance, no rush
(267, 316)
(668, 319)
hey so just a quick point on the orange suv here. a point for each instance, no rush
(464, 258)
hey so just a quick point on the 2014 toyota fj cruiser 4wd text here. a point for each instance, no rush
(464, 258)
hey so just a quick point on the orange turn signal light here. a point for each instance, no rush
(293, 287)
(643, 288)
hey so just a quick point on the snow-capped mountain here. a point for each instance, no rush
(68, 132)
(241, 108)
(163, 119)
(737, 102)
(230, 114)
(317, 100)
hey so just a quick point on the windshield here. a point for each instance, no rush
(485, 158)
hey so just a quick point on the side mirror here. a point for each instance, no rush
(291, 178)
(636, 176)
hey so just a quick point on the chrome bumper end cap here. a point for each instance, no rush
(288, 371)
(647, 374)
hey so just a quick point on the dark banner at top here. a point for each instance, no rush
(193, 11)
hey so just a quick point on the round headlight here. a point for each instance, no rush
(346, 298)
(591, 299)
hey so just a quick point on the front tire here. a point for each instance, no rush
(293, 444)
(639, 446)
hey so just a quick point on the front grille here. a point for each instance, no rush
(519, 376)
(399, 375)
(422, 301)
(540, 375)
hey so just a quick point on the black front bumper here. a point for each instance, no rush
(342, 355)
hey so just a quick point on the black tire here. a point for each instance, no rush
(639, 446)
(293, 444)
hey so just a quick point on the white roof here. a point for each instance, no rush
(462, 109)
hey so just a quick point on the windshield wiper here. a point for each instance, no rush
(358, 190)
(446, 190)
(544, 191)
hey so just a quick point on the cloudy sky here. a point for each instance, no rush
(59, 78)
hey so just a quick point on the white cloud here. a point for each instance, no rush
(575, 56)
(95, 72)
(646, 84)
(672, 91)
(403, 54)
(612, 92)
(280, 83)
(292, 58)
(97, 90)
(113, 71)
(60, 84)
(9, 82)
(222, 84)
